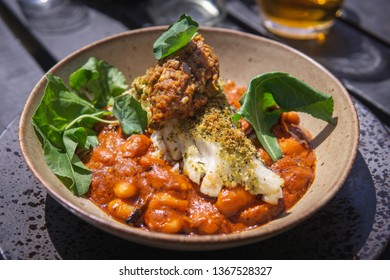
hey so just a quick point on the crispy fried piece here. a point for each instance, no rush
(179, 85)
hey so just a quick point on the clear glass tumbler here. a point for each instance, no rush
(53, 15)
(205, 12)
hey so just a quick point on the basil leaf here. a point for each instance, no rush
(289, 94)
(177, 36)
(128, 111)
(58, 108)
(98, 82)
(292, 94)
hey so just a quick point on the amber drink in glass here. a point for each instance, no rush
(299, 19)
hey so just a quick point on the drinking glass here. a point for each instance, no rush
(299, 19)
(54, 15)
(205, 12)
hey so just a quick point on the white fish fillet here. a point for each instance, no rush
(203, 164)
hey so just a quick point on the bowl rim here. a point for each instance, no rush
(190, 241)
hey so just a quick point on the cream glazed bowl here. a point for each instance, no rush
(242, 56)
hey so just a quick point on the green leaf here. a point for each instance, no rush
(91, 140)
(64, 120)
(128, 111)
(98, 82)
(58, 108)
(177, 36)
(292, 94)
(78, 173)
(64, 162)
(289, 94)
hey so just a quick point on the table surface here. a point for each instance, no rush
(357, 51)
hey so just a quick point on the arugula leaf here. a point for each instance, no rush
(98, 82)
(80, 175)
(177, 36)
(289, 94)
(64, 162)
(64, 120)
(128, 111)
(58, 108)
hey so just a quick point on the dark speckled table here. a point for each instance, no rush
(354, 225)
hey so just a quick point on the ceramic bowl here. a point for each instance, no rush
(242, 56)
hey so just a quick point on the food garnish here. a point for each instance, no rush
(269, 95)
(65, 118)
(177, 36)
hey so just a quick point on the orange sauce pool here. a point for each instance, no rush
(136, 188)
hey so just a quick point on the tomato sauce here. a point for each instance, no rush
(137, 188)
